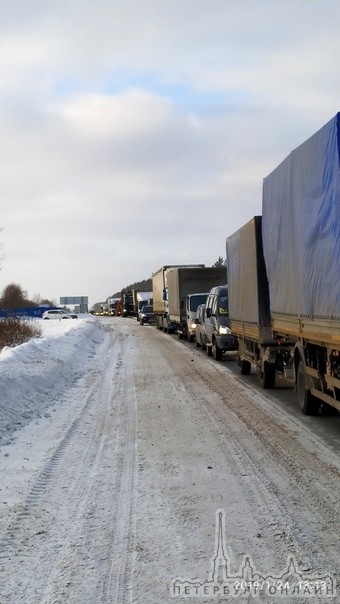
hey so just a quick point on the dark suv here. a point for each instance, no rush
(219, 338)
(146, 315)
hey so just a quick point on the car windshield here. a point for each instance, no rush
(195, 301)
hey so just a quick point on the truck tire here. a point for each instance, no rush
(267, 376)
(209, 351)
(308, 403)
(217, 352)
(180, 335)
(245, 367)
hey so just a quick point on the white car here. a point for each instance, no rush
(58, 313)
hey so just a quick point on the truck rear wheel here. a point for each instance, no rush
(308, 403)
(209, 351)
(267, 376)
(245, 367)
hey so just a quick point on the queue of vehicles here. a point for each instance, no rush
(177, 293)
(276, 304)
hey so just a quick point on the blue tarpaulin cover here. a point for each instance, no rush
(301, 227)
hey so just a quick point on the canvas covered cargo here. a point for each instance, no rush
(247, 278)
(301, 228)
(183, 281)
(158, 290)
(159, 285)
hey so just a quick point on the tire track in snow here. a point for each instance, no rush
(118, 587)
(46, 475)
(95, 449)
(293, 490)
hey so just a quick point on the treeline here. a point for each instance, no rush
(146, 284)
(13, 296)
(140, 286)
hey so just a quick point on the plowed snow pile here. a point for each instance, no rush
(33, 375)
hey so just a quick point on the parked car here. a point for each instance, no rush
(200, 335)
(146, 315)
(219, 338)
(59, 313)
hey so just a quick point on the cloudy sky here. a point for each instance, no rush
(137, 133)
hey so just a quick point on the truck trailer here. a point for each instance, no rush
(187, 288)
(300, 235)
(160, 295)
(249, 309)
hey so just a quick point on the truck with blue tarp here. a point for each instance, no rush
(283, 275)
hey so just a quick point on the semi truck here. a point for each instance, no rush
(128, 308)
(187, 288)
(283, 275)
(114, 306)
(160, 295)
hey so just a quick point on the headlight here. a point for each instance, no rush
(224, 331)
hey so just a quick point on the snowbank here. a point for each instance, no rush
(33, 375)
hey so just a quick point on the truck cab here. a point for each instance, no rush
(219, 338)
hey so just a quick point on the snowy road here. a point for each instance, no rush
(158, 475)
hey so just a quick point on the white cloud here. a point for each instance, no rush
(135, 133)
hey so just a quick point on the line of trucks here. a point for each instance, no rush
(128, 304)
(281, 280)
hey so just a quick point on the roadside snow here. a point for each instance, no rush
(33, 375)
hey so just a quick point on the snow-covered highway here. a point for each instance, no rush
(136, 470)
